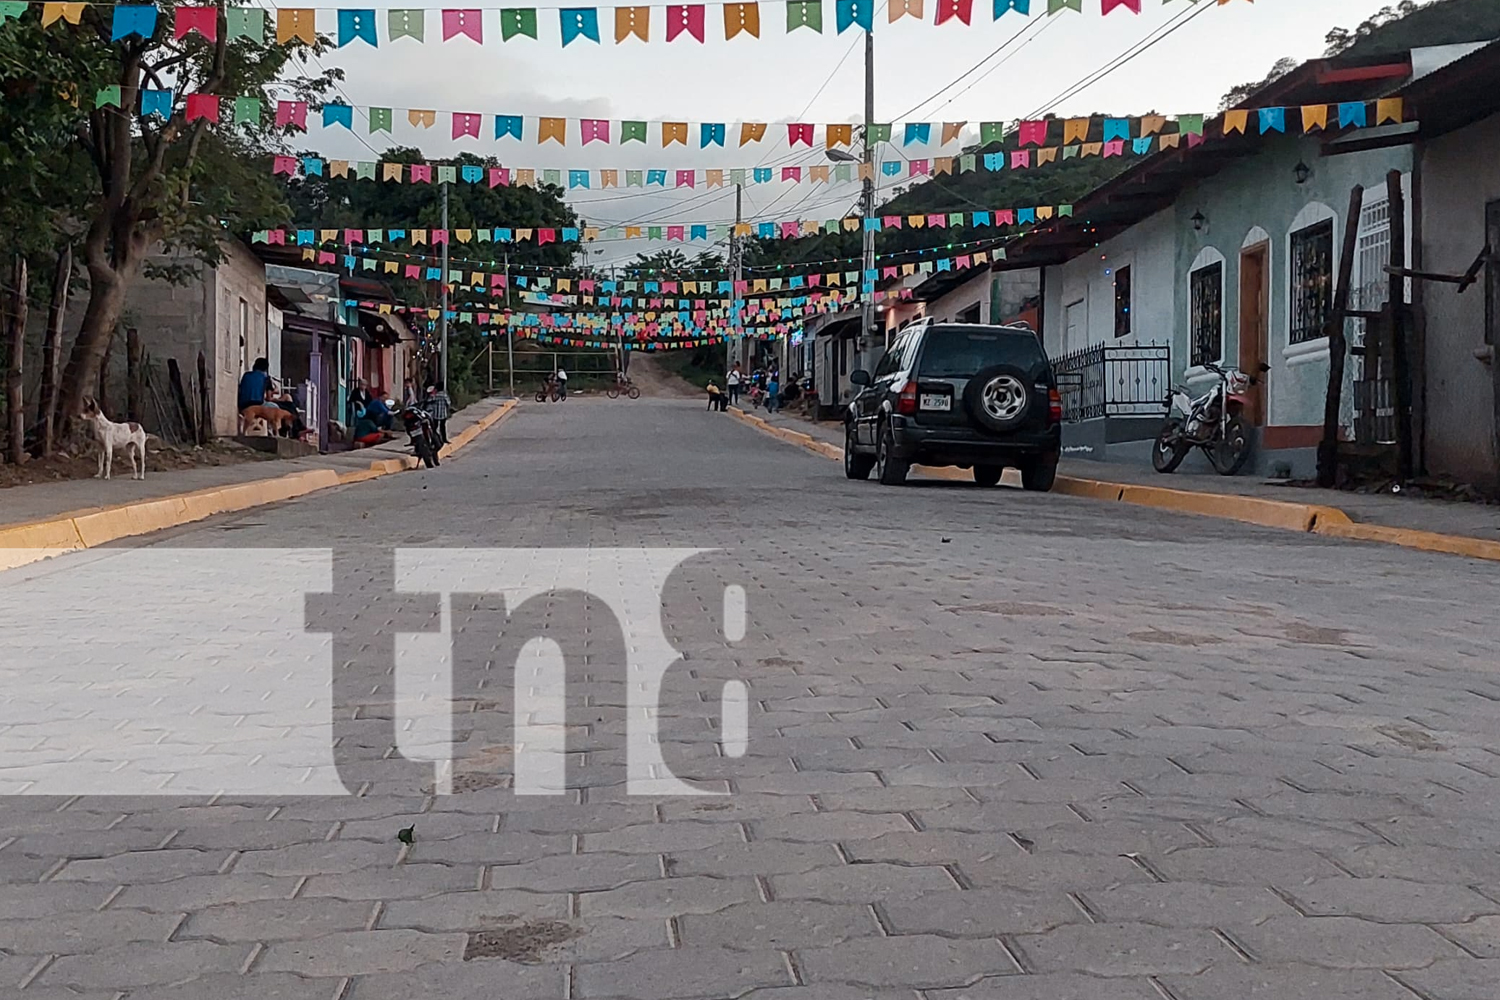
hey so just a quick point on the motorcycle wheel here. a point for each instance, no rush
(424, 452)
(1230, 454)
(1168, 451)
(634, 393)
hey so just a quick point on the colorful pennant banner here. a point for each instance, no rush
(677, 22)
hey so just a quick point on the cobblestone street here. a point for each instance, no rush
(1001, 746)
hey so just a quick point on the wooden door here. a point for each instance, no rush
(1254, 309)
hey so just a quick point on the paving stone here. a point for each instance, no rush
(860, 883)
(1056, 986)
(1187, 904)
(144, 964)
(463, 911)
(660, 838)
(760, 857)
(1344, 943)
(681, 973)
(253, 836)
(143, 866)
(1287, 982)
(669, 897)
(1391, 900)
(1052, 872)
(827, 827)
(487, 979)
(921, 961)
(45, 899)
(979, 913)
(933, 848)
(490, 848)
(1244, 866)
(1123, 949)
(1420, 864)
(407, 881)
(264, 986)
(76, 933)
(1458, 979)
(579, 873)
(331, 857)
(199, 891)
(276, 920)
(782, 926)
(1480, 936)
(360, 953)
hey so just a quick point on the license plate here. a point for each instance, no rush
(936, 401)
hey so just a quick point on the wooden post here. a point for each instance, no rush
(1399, 327)
(205, 411)
(15, 416)
(135, 367)
(47, 415)
(179, 395)
(1328, 448)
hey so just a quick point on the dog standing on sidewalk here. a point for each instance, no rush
(130, 436)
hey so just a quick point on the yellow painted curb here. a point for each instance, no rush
(1317, 519)
(28, 543)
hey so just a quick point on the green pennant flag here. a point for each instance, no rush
(991, 132)
(1065, 211)
(365, 171)
(553, 177)
(1053, 6)
(653, 232)
(406, 24)
(247, 110)
(371, 235)
(804, 13)
(107, 96)
(968, 163)
(380, 119)
(1190, 124)
(447, 175)
(12, 8)
(245, 22)
(738, 175)
(1071, 152)
(632, 132)
(517, 21)
(880, 133)
(955, 219)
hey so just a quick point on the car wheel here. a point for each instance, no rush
(988, 475)
(891, 470)
(856, 466)
(998, 398)
(1039, 472)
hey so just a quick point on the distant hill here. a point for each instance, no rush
(1410, 25)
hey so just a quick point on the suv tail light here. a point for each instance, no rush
(1054, 406)
(906, 402)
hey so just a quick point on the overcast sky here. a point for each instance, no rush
(806, 77)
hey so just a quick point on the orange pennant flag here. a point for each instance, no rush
(1091, 149)
(1076, 130)
(740, 17)
(952, 130)
(673, 132)
(901, 8)
(552, 128)
(1235, 121)
(1046, 154)
(713, 178)
(840, 135)
(1314, 116)
(609, 178)
(294, 24)
(392, 172)
(1389, 109)
(942, 165)
(1170, 140)
(422, 119)
(526, 178)
(632, 21)
(752, 132)
(70, 12)
(1152, 124)
(867, 171)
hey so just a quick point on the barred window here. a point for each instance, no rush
(1206, 287)
(1312, 281)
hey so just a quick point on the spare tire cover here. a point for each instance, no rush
(998, 398)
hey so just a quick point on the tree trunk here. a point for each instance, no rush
(15, 416)
(52, 352)
(135, 368)
(100, 317)
(103, 394)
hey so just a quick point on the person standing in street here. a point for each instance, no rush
(773, 392)
(732, 381)
(562, 383)
(439, 407)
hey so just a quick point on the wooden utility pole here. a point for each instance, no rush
(1399, 326)
(15, 415)
(47, 415)
(1328, 448)
(135, 371)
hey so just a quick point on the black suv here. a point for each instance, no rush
(957, 394)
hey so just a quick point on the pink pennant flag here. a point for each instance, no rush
(799, 132)
(204, 20)
(544, 236)
(888, 272)
(687, 178)
(421, 173)
(891, 222)
(814, 280)
(918, 168)
(277, 236)
(1115, 147)
(961, 9)
(793, 174)
(789, 230)
(465, 124)
(594, 128)
(353, 236)
(413, 271)
(1033, 133)
(676, 234)
(1194, 139)
(463, 22)
(961, 262)
(937, 222)
(1005, 217)
(285, 165)
(203, 106)
(499, 177)
(587, 285)
(326, 257)
(1020, 158)
(1130, 5)
(292, 113)
(688, 18)
(439, 236)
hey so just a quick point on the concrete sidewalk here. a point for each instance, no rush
(43, 501)
(1470, 520)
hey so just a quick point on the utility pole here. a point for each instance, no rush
(510, 333)
(443, 316)
(736, 275)
(867, 202)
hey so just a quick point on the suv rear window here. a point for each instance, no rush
(960, 351)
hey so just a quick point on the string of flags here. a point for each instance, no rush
(672, 233)
(685, 22)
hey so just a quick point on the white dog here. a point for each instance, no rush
(131, 437)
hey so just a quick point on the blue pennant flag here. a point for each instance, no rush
(570, 234)
(763, 175)
(1141, 146)
(710, 134)
(338, 114)
(917, 132)
(891, 168)
(994, 161)
(1022, 7)
(579, 22)
(698, 233)
(1353, 114)
(507, 125)
(304, 237)
(1272, 120)
(578, 179)
(852, 12)
(156, 102)
(1116, 128)
(872, 225)
(312, 166)
(657, 177)
(357, 24)
(134, 19)
(473, 174)
(766, 230)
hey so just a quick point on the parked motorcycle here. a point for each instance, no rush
(423, 433)
(1214, 422)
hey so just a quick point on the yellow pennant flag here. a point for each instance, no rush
(633, 232)
(713, 178)
(901, 8)
(740, 17)
(982, 257)
(942, 165)
(308, 253)
(1235, 121)
(1044, 212)
(552, 128)
(952, 130)
(908, 269)
(590, 234)
(422, 119)
(418, 237)
(851, 224)
(819, 174)
(742, 229)
(916, 221)
(432, 314)
(759, 285)
(1170, 140)
(1076, 130)
(811, 227)
(328, 235)
(70, 12)
(464, 236)
(1314, 116)
(476, 278)
(564, 284)
(673, 132)
(609, 178)
(1389, 109)
(392, 171)
(1091, 149)
(526, 178)
(524, 234)
(840, 135)
(632, 21)
(294, 24)
(338, 168)
(752, 132)
(1046, 154)
(385, 308)
(1152, 124)
(391, 267)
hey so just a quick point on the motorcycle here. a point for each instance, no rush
(423, 433)
(1214, 422)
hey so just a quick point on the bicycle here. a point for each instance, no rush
(625, 386)
(551, 390)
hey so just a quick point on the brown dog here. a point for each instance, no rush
(273, 417)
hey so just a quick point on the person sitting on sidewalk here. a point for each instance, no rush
(366, 433)
(377, 413)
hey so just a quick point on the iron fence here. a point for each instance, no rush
(1113, 380)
